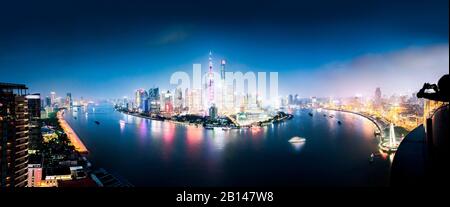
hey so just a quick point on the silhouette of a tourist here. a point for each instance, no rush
(441, 90)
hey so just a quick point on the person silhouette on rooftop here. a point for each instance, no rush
(441, 90)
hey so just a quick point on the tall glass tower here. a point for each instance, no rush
(210, 81)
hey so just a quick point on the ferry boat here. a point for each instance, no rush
(297, 140)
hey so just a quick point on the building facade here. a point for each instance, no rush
(14, 135)
(154, 100)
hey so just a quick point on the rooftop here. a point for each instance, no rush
(85, 182)
(58, 171)
(12, 86)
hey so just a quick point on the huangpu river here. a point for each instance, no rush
(161, 153)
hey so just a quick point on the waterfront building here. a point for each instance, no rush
(162, 101)
(146, 106)
(167, 102)
(34, 112)
(196, 105)
(223, 84)
(178, 101)
(251, 102)
(137, 98)
(154, 100)
(187, 99)
(222, 70)
(68, 103)
(140, 97)
(130, 106)
(213, 112)
(218, 101)
(291, 99)
(259, 102)
(210, 82)
(14, 135)
(240, 102)
(230, 99)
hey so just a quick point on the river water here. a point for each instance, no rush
(154, 153)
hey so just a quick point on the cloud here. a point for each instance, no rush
(171, 36)
(399, 72)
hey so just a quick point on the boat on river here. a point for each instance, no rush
(297, 140)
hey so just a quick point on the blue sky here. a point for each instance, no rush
(109, 48)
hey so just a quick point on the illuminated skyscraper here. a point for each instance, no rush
(52, 98)
(178, 100)
(223, 87)
(290, 99)
(14, 135)
(154, 100)
(48, 102)
(68, 103)
(296, 99)
(222, 70)
(140, 97)
(168, 102)
(378, 94)
(213, 112)
(195, 106)
(377, 98)
(230, 99)
(187, 99)
(210, 81)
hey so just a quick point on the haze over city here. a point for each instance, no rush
(107, 51)
(225, 103)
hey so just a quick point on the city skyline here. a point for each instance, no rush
(255, 97)
(431, 63)
(117, 52)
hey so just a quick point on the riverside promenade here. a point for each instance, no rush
(73, 137)
(380, 125)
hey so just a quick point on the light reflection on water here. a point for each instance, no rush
(149, 152)
(298, 146)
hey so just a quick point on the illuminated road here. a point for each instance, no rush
(73, 137)
(381, 126)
